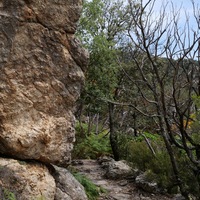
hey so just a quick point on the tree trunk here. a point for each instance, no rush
(97, 124)
(89, 124)
(113, 134)
(173, 160)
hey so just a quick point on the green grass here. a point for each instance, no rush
(92, 191)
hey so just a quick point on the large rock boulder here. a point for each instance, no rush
(31, 180)
(118, 170)
(148, 186)
(41, 73)
(25, 181)
(67, 187)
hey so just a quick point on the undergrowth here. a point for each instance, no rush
(146, 152)
(90, 146)
(92, 191)
(157, 165)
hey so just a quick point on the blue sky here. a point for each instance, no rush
(185, 6)
(186, 10)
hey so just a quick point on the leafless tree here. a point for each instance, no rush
(172, 81)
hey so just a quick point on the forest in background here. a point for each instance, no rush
(141, 100)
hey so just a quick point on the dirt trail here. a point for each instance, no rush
(116, 189)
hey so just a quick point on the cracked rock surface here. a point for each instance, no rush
(41, 74)
(26, 180)
(42, 68)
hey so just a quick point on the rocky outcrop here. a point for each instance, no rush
(31, 180)
(25, 180)
(67, 187)
(115, 169)
(41, 73)
(148, 186)
(118, 170)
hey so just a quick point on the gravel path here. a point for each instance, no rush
(116, 189)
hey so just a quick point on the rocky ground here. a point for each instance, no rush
(121, 189)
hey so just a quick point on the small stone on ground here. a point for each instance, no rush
(121, 189)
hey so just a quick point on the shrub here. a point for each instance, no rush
(136, 151)
(139, 155)
(160, 171)
(158, 167)
(91, 189)
(91, 146)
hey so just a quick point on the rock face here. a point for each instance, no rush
(31, 180)
(67, 187)
(25, 181)
(41, 73)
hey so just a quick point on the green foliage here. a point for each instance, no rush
(126, 142)
(188, 176)
(101, 24)
(151, 136)
(8, 195)
(139, 155)
(158, 167)
(91, 189)
(90, 21)
(91, 146)
(195, 125)
(160, 170)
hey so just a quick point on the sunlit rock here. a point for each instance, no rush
(41, 74)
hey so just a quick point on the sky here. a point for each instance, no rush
(185, 6)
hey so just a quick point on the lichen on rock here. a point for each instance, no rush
(33, 180)
(26, 180)
(42, 68)
(41, 74)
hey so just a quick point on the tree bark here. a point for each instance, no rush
(113, 134)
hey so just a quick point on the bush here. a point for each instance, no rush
(158, 167)
(189, 177)
(160, 171)
(136, 151)
(139, 155)
(90, 146)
